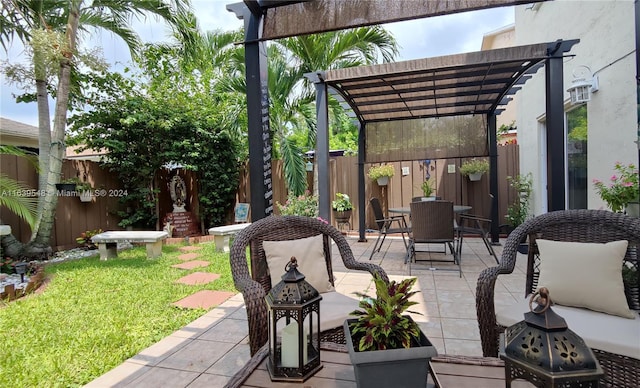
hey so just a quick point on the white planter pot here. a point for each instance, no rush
(475, 176)
(633, 209)
(383, 181)
(85, 196)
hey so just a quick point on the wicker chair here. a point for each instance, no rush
(255, 284)
(598, 226)
(433, 223)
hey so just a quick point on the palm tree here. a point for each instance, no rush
(24, 19)
(331, 50)
(291, 96)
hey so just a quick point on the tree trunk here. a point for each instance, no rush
(44, 126)
(44, 226)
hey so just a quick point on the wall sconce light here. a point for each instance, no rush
(584, 83)
(309, 166)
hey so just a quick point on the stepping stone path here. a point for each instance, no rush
(204, 299)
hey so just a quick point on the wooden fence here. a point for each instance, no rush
(74, 217)
(445, 178)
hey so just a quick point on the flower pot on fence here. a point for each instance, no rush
(85, 196)
(476, 176)
(66, 186)
(383, 181)
(406, 367)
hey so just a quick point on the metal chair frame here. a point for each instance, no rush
(385, 226)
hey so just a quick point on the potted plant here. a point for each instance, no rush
(85, 191)
(622, 193)
(518, 211)
(474, 168)
(386, 347)
(427, 190)
(381, 173)
(342, 207)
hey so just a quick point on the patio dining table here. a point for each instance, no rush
(407, 209)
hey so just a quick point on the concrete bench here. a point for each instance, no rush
(222, 233)
(108, 242)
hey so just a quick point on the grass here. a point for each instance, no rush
(95, 314)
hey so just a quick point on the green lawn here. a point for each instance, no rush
(95, 314)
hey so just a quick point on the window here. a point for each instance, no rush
(576, 126)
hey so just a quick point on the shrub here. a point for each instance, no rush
(301, 205)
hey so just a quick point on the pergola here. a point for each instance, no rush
(462, 85)
(396, 104)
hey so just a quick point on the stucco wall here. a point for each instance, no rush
(607, 44)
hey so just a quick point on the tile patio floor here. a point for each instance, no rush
(211, 349)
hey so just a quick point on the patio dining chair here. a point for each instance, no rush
(475, 225)
(271, 242)
(432, 222)
(387, 225)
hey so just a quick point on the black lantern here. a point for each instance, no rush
(542, 350)
(294, 327)
(21, 269)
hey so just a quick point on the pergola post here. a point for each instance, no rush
(362, 204)
(555, 125)
(493, 177)
(322, 148)
(259, 130)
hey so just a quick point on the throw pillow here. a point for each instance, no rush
(585, 275)
(311, 262)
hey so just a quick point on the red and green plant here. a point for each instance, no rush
(85, 238)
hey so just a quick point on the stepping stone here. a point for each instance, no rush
(198, 278)
(189, 248)
(188, 256)
(204, 299)
(191, 264)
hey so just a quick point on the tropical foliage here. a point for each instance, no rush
(145, 129)
(622, 187)
(53, 29)
(15, 195)
(299, 205)
(381, 321)
(518, 211)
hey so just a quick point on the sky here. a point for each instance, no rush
(422, 38)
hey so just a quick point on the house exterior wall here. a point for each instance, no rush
(607, 44)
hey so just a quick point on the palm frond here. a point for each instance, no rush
(13, 196)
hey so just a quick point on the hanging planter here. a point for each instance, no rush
(476, 176)
(85, 196)
(474, 168)
(381, 173)
(383, 181)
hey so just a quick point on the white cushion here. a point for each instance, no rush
(585, 275)
(605, 332)
(311, 262)
(335, 309)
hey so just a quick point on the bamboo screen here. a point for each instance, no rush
(427, 138)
